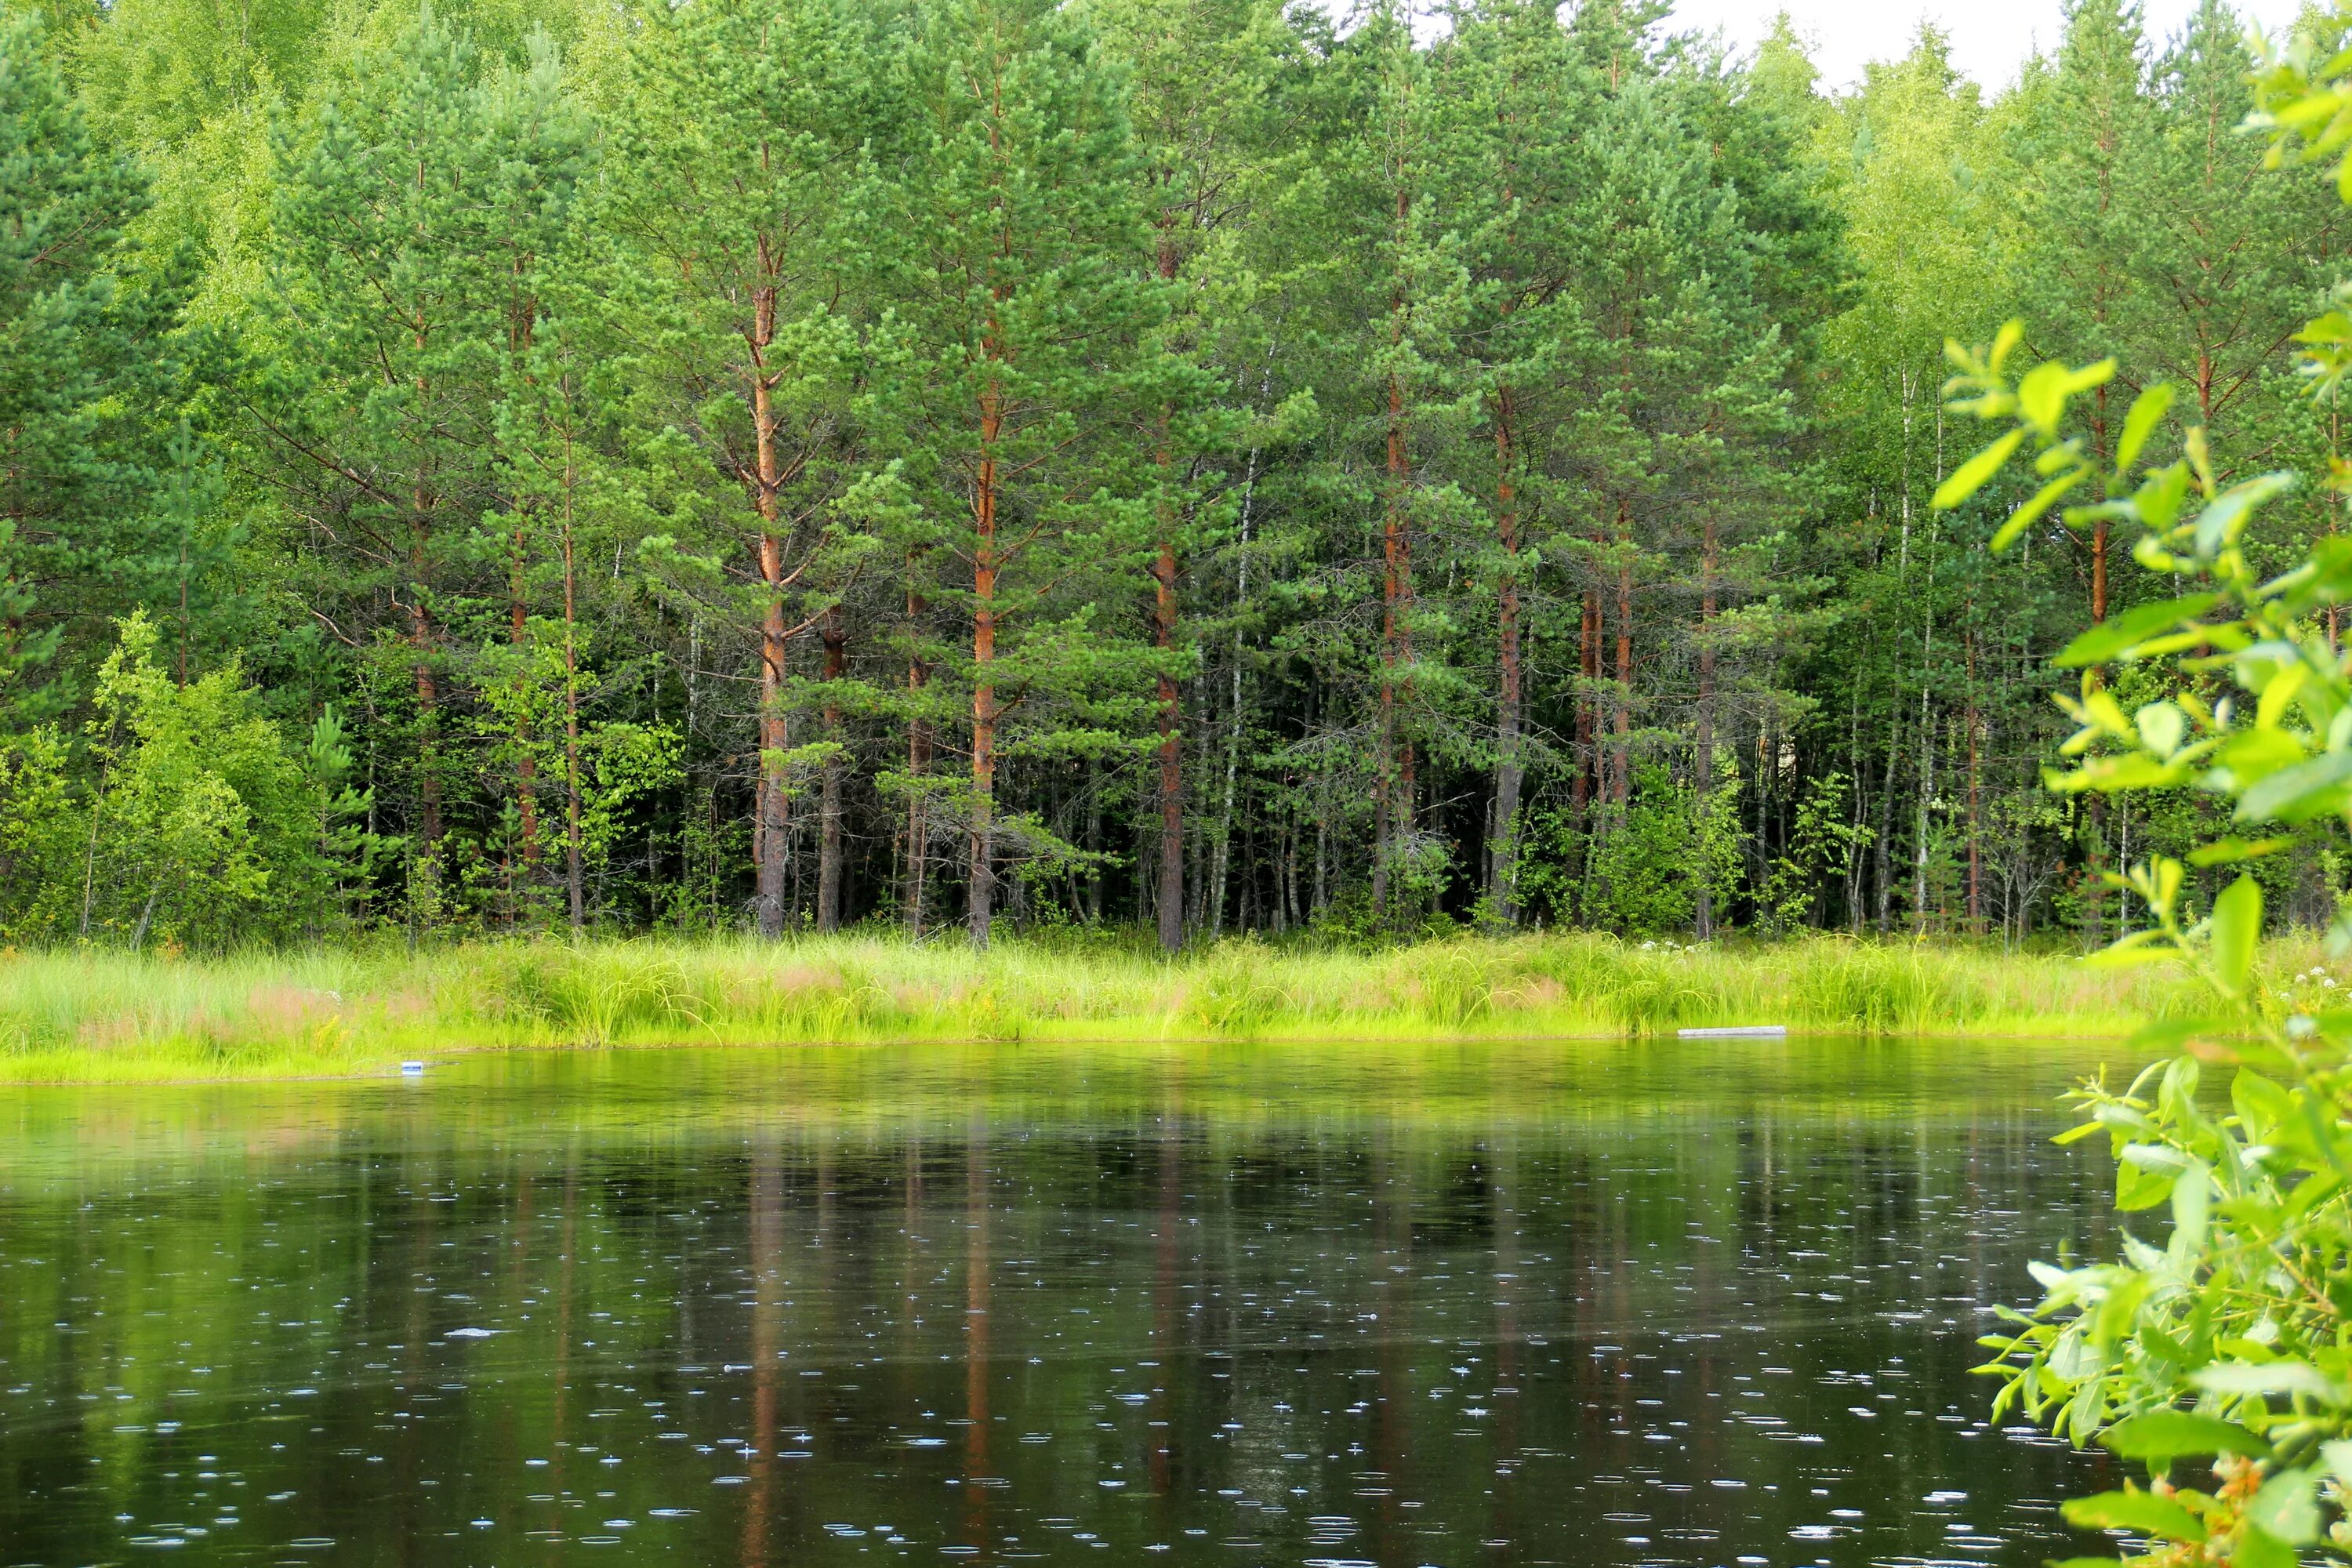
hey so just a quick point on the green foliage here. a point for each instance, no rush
(2225, 1345)
(203, 828)
(1084, 464)
(1822, 846)
(87, 360)
(1649, 871)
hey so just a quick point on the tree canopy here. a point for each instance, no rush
(1190, 466)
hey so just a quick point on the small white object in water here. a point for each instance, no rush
(472, 1333)
(412, 1070)
(1742, 1031)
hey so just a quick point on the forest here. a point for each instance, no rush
(1177, 466)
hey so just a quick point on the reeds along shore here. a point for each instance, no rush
(97, 1017)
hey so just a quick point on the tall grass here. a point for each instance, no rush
(109, 1017)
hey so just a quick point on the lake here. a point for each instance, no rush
(1514, 1304)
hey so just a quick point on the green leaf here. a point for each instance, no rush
(2120, 633)
(2255, 753)
(2275, 1377)
(2161, 495)
(2042, 394)
(2162, 1434)
(2219, 524)
(2237, 927)
(2142, 1512)
(2192, 1197)
(2296, 791)
(2312, 1190)
(2260, 1549)
(2161, 726)
(2147, 410)
(2261, 1105)
(2170, 1034)
(2139, 1187)
(2229, 851)
(2012, 333)
(2155, 1157)
(2285, 1509)
(1969, 476)
(2025, 517)
(2128, 957)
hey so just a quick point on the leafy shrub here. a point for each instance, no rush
(2222, 1358)
(1648, 868)
(204, 827)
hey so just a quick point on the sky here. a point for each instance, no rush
(1990, 38)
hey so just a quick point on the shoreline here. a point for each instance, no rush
(103, 1017)
(127, 1073)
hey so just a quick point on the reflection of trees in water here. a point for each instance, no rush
(1287, 1250)
(766, 1235)
(976, 1337)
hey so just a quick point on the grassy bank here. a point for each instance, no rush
(98, 1017)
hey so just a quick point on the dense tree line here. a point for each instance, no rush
(1187, 463)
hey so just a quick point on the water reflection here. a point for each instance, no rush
(1386, 1306)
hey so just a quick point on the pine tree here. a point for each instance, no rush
(2224, 261)
(2094, 128)
(63, 205)
(1401, 385)
(1199, 72)
(107, 502)
(1667, 445)
(1353, 470)
(1026, 302)
(416, 203)
(1520, 107)
(1913, 178)
(739, 179)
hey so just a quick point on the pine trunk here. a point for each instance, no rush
(1504, 888)
(1394, 791)
(1094, 892)
(428, 711)
(1588, 669)
(770, 844)
(1976, 779)
(1927, 797)
(835, 634)
(1234, 719)
(918, 764)
(1226, 809)
(429, 695)
(571, 884)
(1884, 850)
(984, 690)
(1621, 763)
(1395, 784)
(1170, 898)
(1703, 766)
(525, 766)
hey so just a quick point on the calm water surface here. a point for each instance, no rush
(1509, 1304)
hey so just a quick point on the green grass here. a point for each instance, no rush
(100, 1016)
